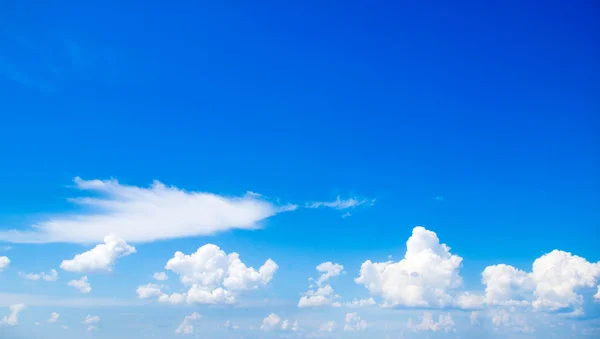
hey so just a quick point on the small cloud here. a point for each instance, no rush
(346, 215)
(439, 198)
(341, 204)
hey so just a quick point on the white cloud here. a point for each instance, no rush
(340, 204)
(140, 214)
(91, 322)
(82, 285)
(149, 291)
(100, 258)
(597, 295)
(212, 277)
(52, 276)
(551, 285)
(13, 318)
(329, 270)
(327, 327)
(53, 318)
(444, 323)
(229, 325)
(160, 276)
(354, 323)
(187, 327)
(324, 294)
(4, 262)
(270, 322)
(515, 322)
(423, 278)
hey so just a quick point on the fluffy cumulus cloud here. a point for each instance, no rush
(143, 214)
(4, 262)
(423, 278)
(100, 258)
(13, 318)
(52, 276)
(91, 322)
(272, 322)
(324, 293)
(53, 318)
(444, 323)
(212, 277)
(187, 325)
(552, 285)
(82, 284)
(353, 322)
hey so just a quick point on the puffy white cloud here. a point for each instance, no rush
(52, 276)
(469, 301)
(149, 291)
(187, 326)
(100, 258)
(270, 322)
(82, 285)
(322, 296)
(327, 327)
(13, 318)
(140, 214)
(53, 318)
(91, 322)
(339, 203)
(500, 317)
(211, 276)
(423, 278)
(353, 322)
(444, 323)
(4, 262)
(551, 285)
(160, 276)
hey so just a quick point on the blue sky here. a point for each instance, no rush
(305, 133)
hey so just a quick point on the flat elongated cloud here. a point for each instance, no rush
(52, 276)
(140, 214)
(100, 258)
(340, 204)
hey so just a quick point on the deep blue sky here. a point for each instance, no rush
(493, 106)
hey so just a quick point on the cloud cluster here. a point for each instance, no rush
(353, 322)
(211, 277)
(272, 322)
(140, 214)
(323, 294)
(444, 323)
(91, 322)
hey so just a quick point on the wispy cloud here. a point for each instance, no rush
(7, 299)
(144, 214)
(341, 204)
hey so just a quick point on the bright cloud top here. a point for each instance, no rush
(100, 258)
(211, 276)
(422, 279)
(141, 214)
